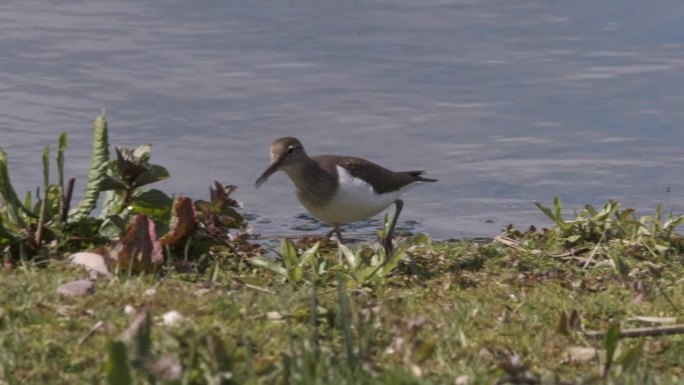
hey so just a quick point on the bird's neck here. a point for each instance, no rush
(312, 183)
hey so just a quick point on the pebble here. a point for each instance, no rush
(76, 288)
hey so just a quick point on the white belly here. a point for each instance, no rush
(355, 200)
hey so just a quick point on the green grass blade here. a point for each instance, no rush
(44, 200)
(611, 343)
(346, 325)
(671, 224)
(118, 368)
(547, 211)
(393, 260)
(557, 207)
(46, 167)
(61, 146)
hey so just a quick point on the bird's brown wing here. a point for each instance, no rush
(381, 179)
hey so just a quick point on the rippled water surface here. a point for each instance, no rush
(506, 102)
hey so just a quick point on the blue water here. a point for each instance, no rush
(506, 102)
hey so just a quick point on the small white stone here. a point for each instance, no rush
(76, 288)
(274, 316)
(92, 261)
(580, 354)
(129, 310)
(172, 318)
(150, 292)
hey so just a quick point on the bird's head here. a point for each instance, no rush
(286, 154)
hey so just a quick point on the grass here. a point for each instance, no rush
(463, 312)
(193, 300)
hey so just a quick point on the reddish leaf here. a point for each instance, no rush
(139, 249)
(220, 215)
(221, 195)
(183, 222)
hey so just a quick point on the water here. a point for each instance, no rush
(505, 102)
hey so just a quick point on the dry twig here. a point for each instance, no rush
(641, 332)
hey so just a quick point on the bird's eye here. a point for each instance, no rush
(290, 150)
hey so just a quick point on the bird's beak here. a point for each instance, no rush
(275, 165)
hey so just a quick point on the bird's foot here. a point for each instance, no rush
(338, 235)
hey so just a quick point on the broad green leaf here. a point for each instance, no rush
(393, 261)
(348, 255)
(152, 198)
(111, 204)
(6, 237)
(98, 170)
(112, 183)
(308, 254)
(155, 173)
(143, 152)
(269, 264)
(288, 252)
(296, 274)
(112, 227)
(126, 166)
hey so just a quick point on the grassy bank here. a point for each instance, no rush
(187, 297)
(462, 313)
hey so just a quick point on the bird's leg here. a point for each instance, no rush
(387, 242)
(336, 231)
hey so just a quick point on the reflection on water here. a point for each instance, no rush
(505, 102)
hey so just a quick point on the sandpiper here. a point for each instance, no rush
(341, 189)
